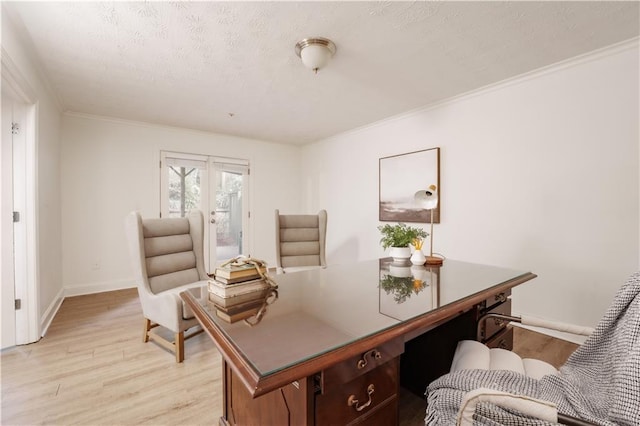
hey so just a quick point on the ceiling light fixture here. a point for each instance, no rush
(315, 52)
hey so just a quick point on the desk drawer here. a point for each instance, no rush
(359, 398)
(350, 369)
(503, 340)
(495, 299)
(384, 415)
(494, 325)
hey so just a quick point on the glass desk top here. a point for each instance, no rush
(319, 310)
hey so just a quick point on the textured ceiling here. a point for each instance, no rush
(191, 64)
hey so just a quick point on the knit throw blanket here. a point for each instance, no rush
(599, 383)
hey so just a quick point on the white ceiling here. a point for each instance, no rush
(191, 64)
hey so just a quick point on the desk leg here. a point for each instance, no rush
(290, 405)
(226, 394)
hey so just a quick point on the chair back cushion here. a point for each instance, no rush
(169, 256)
(301, 239)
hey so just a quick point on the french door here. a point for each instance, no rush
(218, 187)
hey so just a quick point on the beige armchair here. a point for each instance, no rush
(167, 257)
(300, 241)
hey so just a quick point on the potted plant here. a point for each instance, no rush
(401, 287)
(398, 237)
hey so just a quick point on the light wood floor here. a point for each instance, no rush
(93, 369)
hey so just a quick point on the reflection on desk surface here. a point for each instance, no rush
(323, 309)
(287, 338)
(407, 291)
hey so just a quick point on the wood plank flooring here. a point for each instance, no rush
(529, 344)
(92, 368)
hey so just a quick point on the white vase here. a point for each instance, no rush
(420, 273)
(400, 271)
(400, 254)
(418, 258)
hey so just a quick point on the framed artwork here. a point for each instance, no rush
(400, 177)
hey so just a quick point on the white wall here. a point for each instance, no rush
(540, 147)
(49, 265)
(110, 167)
(539, 173)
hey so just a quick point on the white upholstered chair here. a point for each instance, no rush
(167, 257)
(598, 385)
(473, 355)
(300, 241)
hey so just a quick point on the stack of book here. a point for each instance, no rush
(232, 274)
(237, 292)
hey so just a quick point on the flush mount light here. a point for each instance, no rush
(315, 52)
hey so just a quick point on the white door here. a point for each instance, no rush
(6, 228)
(214, 186)
(19, 317)
(229, 215)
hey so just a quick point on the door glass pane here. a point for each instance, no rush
(228, 214)
(185, 190)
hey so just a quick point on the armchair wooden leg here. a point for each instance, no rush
(177, 346)
(147, 327)
(179, 343)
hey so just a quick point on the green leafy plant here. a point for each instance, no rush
(400, 235)
(402, 288)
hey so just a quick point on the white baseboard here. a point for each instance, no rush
(51, 312)
(69, 291)
(78, 290)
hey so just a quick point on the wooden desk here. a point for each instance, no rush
(329, 349)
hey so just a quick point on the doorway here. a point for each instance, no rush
(218, 187)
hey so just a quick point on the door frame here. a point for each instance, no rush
(27, 318)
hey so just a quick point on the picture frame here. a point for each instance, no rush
(400, 177)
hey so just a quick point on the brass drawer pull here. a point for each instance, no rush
(373, 353)
(353, 401)
(501, 297)
(499, 322)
